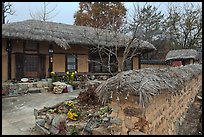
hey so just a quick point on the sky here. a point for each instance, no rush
(64, 10)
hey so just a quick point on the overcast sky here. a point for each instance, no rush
(64, 10)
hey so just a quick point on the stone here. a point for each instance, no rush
(83, 132)
(42, 130)
(40, 122)
(57, 120)
(115, 129)
(129, 123)
(48, 118)
(116, 133)
(100, 131)
(136, 133)
(41, 117)
(39, 84)
(47, 126)
(46, 89)
(91, 125)
(116, 120)
(135, 119)
(54, 130)
(45, 84)
(105, 119)
(30, 85)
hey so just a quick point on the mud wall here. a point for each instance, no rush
(161, 116)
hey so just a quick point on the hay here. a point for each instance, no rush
(182, 54)
(147, 82)
(64, 35)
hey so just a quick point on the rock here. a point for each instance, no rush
(48, 118)
(105, 119)
(91, 125)
(83, 132)
(46, 89)
(54, 130)
(100, 131)
(135, 119)
(115, 129)
(136, 133)
(40, 122)
(116, 120)
(116, 133)
(39, 84)
(30, 85)
(41, 117)
(47, 126)
(57, 121)
(128, 123)
(45, 84)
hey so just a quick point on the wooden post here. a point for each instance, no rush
(50, 52)
(139, 60)
(8, 49)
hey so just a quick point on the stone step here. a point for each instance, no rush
(35, 90)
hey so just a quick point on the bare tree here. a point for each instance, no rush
(7, 9)
(184, 25)
(44, 14)
(120, 45)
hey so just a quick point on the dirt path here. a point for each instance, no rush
(191, 123)
(17, 112)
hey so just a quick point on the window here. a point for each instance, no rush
(31, 46)
(128, 64)
(71, 63)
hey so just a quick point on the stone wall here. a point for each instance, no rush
(162, 115)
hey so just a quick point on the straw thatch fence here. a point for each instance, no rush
(147, 82)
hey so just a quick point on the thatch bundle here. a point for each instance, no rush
(182, 54)
(147, 82)
(64, 35)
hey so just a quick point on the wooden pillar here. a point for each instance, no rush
(50, 52)
(139, 61)
(9, 49)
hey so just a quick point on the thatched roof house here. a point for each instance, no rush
(64, 35)
(181, 54)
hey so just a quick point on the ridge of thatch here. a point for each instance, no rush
(181, 54)
(147, 82)
(64, 34)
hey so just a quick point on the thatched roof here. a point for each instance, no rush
(181, 54)
(64, 35)
(147, 82)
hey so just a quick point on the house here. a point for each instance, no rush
(34, 48)
(181, 57)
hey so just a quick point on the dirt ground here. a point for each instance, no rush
(18, 112)
(191, 123)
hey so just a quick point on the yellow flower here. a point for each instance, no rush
(69, 103)
(59, 111)
(51, 110)
(52, 72)
(67, 72)
(75, 72)
(72, 115)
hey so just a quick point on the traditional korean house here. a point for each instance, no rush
(181, 57)
(34, 48)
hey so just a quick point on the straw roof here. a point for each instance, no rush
(64, 35)
(147, 82)
(181, 54)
